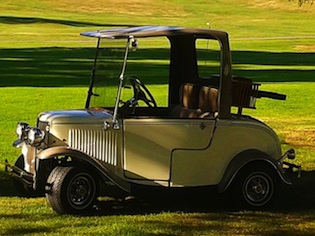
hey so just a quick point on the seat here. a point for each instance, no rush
(188, 101)
(208, 102)
(196, 103)
(188, 95)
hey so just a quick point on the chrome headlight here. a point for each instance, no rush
(21, 130)
(35, 136)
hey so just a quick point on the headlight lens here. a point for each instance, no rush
(35, 136)
(22, 129)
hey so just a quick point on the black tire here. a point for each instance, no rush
(255, 188)
(71, 190)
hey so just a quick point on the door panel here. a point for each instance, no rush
(149, 144)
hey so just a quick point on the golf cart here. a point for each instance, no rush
(163, 112)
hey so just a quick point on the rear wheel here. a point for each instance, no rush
(71, 190)
(255, 188)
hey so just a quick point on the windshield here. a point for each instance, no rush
(107, 69)
(148, 63)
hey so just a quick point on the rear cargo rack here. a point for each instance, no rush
(245, 93)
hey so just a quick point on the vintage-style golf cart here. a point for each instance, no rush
(158, 115)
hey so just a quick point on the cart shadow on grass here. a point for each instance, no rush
(296, 198)
(299, 197)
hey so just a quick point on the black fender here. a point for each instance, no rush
(244, 159)
(81, 157)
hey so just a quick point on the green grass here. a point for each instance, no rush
(293, 119)
(45, 65)
(37, 219)
(35, 21)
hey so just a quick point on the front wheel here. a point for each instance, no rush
(255, 188)
(71, 190)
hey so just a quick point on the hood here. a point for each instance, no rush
(74, 116)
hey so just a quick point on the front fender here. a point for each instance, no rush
(245, 158)
(78, 156)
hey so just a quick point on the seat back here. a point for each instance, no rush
(208, 100)
(188, 101)
(188, 96)
(195, 102)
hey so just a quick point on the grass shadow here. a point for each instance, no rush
(7, 187)
(275, 66)
(11, 20)
(62, 66)
(31, 229)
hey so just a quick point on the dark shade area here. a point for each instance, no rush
(60, 66)
(32, 20)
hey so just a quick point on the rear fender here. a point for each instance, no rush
(80, 157)
(244, 159)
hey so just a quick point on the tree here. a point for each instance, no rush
(301, 2)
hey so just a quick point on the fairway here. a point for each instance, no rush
(46, 65)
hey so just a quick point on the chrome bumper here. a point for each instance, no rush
(23, 176)
(290, 167)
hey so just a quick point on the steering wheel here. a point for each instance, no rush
(140, 92)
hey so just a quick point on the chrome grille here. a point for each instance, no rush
(99, 144)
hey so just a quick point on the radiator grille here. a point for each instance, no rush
(99, 144)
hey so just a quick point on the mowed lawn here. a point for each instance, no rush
(45, 65)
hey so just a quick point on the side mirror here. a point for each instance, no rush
(134, 44)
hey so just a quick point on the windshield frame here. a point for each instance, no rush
(120, 79)
(121, 83)
(92, 79)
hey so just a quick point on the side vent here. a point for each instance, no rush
(96, 143)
